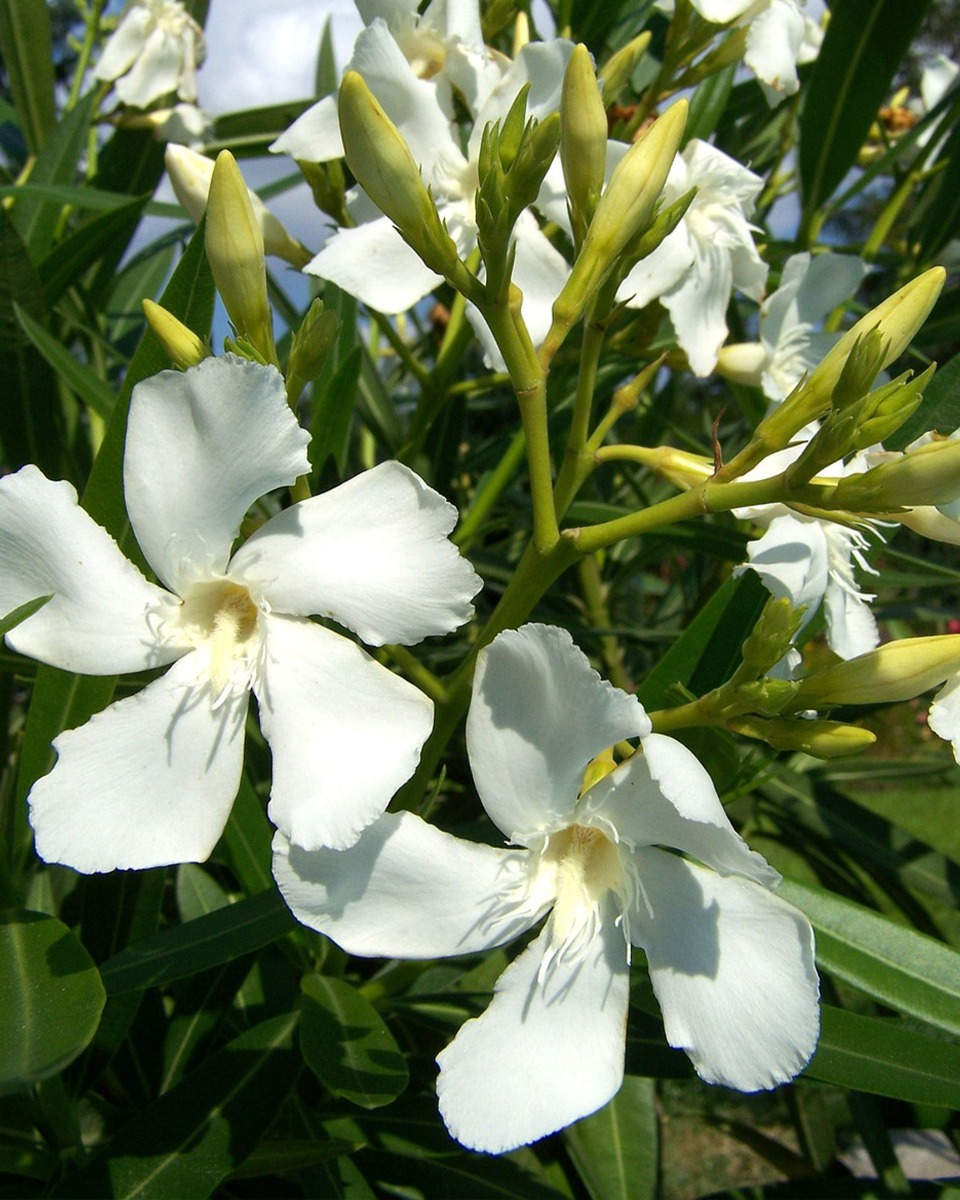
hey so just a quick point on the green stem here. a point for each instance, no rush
(595, 598)
(490, 490)
(90, 35)
(416, 672)
(593, 335)
(891, 210)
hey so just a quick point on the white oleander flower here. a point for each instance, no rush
(811, 561)
(443, 48)
(693, 271)
(155, 50)
(151, 779)
(372, 261)
(790, 344)
(646, 857)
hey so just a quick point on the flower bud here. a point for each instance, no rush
(583, 139)
(743, 362)
(929, 474)
(190, 175)
(234, 246)
(896, 671)
(618, 69)
(894, 323)
(183, 347)
(860, 369)
(381, 162)
(821, 739)
(625, 207)
(311, 344)
(772, 637)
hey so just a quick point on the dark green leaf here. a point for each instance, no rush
(27, 52)
(64, 194)
(246, 841)
(37, 218)
(863, 46)
(707, 104)
(89, 387)
(886, 1058)
(71, 258)
(333, 411)
(195, 1135)
(901, 968)
(240, 928)
(51, 998)
(347, 1045)
(615, 1150)
(939, 202)
(20, 614)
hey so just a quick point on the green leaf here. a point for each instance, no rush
(20, 614)
(940, 407)
(245, 844)
(27, 51)
(896, 965)
(65, 194)
(864, 44)
(89, 387)
(939, 201)
(615, 1150)
(29, 415)
(709, 648)
(37, 218)
(707, 104)
(226, 933)
(196, 1134)
(84, 246)
(333, 411)
(884, 1057)
(51, 998)
(347, 1045)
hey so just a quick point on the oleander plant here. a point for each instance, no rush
(483, 673)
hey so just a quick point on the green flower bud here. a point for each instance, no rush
(381, 161)
(930, 474)
(772, 636)
(897, 671)
(583, 139)
(618, 68)
(311, 344)
(181, 344)
(822, 739)
(234, 245)
(860, 369)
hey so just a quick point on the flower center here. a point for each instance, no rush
(222, 621)
(585, 865)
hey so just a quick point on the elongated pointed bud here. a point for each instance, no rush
(891, 324)
(617, 70)
(897, 671)
(182, 345)
(930, 474)
(623, 211)
(310, 347)
(382, 164)
(583, 139)
(743, 362)
(821, 739)
(234, 246)
(190, 175)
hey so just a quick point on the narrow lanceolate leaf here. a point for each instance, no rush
(91, 389)
(615, 1150)
(898, 966)
(51, 998)
(193, 1137)
(884, 1057)
(347, 1045)
(864, 44)
(35, 217)
(26, 50)
(19, 614)
(208, 941)
(70, 259)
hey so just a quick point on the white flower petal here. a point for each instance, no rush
(373, 554)
(539, 714)
(126, 42)
(773, 43)
(851, 626)
(314, 136)
(659, 271)
(542, 65)
(721, 11)
(344, 731)
(663, 796)
(202, 446)
(698, 306)
(542, 1055)
(792, 560)
(375, 264)
(155, 73)
(406, 890)
(148, 781)
(733, 969)
(98, 622)
(944, 717)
